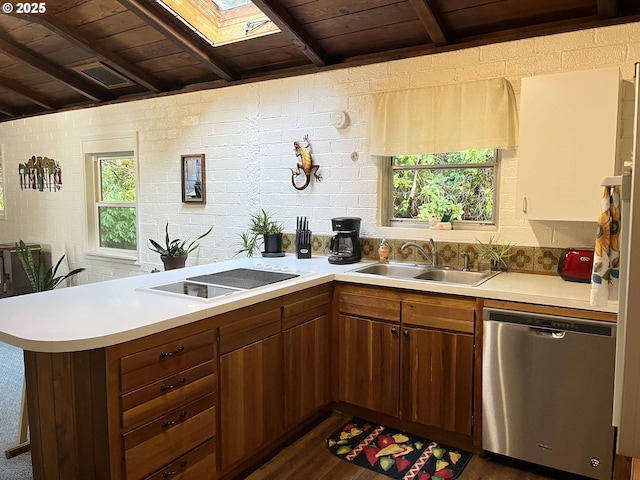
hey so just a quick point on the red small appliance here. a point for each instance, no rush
(575, 264)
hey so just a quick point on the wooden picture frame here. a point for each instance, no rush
(194, 183)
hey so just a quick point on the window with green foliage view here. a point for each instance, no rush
(461, 184)
(116, 203)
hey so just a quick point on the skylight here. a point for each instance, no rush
(221, 22)
(229, 4)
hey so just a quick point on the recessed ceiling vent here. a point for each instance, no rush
(103, 75)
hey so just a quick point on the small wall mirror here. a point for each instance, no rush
(193, 178)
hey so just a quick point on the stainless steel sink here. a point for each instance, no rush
(426, 273)
(459, 277)
(391, 270)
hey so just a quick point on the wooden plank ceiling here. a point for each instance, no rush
(158, 54)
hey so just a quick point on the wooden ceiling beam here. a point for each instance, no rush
(7, 110)
(290, 27)
(607, 8)
(32, 96)
(430, 17)
(106, 56)
(179, 38)
(55, 71)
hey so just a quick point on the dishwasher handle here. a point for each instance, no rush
(550, 323)
(543, 332)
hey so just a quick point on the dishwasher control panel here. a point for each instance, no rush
(540, 320)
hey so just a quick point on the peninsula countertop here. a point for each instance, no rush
(107, 313)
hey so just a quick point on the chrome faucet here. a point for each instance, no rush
(434, 253)
(465, 257)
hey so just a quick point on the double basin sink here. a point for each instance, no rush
(427, 273)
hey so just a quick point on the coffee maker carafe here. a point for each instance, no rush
(345, 244)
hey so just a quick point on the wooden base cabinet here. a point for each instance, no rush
(168, 400)
(168, 406)
(307, 338)
(368, 369)
(306, 370)
(250, 385)
(438, 361)
(409, 356)
(274, 371)
(437, 379)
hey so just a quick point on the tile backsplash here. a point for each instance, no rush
(543, 260)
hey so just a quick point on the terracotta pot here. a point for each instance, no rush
(171, 263)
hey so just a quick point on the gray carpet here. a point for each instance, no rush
(11, 376)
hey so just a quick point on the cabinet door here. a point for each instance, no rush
(250, 398)
(306, 369)
(369, 367)
(568, 143)
(438, 379)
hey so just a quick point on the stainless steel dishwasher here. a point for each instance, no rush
(547, 390)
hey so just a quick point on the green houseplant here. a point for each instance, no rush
(497, 255)
(262, 224)
(175, 251)
(40, 277)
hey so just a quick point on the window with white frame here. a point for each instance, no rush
(115, 204)
(460, 184)
(111, 185)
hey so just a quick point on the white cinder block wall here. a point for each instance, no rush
(247, 133)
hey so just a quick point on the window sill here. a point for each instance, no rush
(114, 257)
(424, 225)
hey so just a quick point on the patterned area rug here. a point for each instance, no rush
(396, 454)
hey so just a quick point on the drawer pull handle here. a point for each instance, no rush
(394, 331)
(183, 465)
(166, 387)
(171, 423)
(171, 354)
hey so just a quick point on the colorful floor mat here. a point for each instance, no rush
(396, 454)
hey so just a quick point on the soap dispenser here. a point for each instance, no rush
(383, 251)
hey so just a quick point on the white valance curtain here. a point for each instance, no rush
(445, 118)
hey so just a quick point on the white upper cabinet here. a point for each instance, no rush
(568, 143)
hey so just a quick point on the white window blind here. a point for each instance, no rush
(444, 118)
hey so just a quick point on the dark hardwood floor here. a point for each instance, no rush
(309, 459)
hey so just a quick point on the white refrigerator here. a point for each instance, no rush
(626, 413)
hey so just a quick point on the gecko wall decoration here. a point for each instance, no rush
(305, 166)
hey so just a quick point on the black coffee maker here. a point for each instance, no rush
(345, 244)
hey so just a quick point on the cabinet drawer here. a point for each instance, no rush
(246, 331)
(315, 304)
(198, 464)
(371, 303)
(146, 403)
(148, 447)
(164, 360)
(455, 314)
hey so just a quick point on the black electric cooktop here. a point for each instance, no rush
(243, 278)
(224, 283)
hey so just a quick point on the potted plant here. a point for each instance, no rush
(496, 255)
(41, 278)
(175, 252)
(262, 224)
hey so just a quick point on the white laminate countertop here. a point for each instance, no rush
(115, 311)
